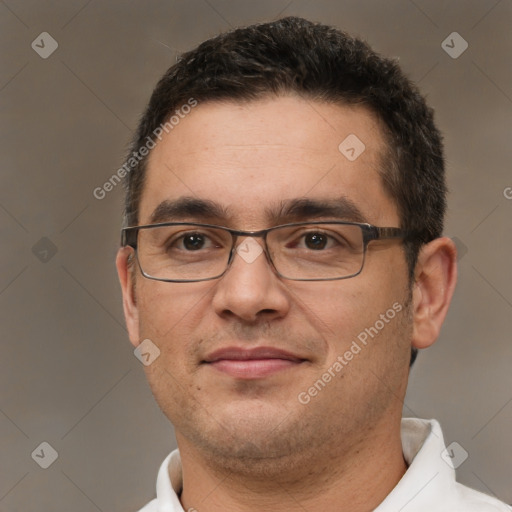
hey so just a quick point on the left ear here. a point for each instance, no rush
(435, 279)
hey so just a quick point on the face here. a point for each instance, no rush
(254, 160)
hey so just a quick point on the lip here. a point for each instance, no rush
(253, 363)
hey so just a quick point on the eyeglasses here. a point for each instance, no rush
(306, 251)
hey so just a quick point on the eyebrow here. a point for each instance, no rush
(291, 210)
(188, 207)
(301, 209)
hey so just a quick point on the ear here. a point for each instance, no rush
(126, 277)
(435, 279)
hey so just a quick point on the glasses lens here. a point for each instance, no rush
(317, 251)
(184, 252)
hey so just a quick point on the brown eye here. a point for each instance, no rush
(315, 241)
(193, 242)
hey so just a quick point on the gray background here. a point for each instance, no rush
(68, 375)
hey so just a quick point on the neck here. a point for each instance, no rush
(355, 477)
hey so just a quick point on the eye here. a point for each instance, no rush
(316, 241)
(192, 242)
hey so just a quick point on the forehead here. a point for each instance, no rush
(251, 158)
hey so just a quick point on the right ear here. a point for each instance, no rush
(125, 271)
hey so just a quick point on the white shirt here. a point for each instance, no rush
(428, 485)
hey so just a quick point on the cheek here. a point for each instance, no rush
(167, 310)
(168, 314)
(353, 309)
(339, 309)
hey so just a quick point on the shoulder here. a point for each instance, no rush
(475, 501)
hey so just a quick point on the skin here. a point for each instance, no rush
(250, 445)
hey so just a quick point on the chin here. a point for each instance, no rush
(245, 432)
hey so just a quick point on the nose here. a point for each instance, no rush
(250, 289)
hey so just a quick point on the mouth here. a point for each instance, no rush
(256, 363)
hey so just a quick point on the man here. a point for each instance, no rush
(282, 264)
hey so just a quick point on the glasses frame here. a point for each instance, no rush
(129, 238)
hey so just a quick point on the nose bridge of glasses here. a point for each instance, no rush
(240, 237)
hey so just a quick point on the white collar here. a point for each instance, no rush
(428, 476)
(169, 484)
